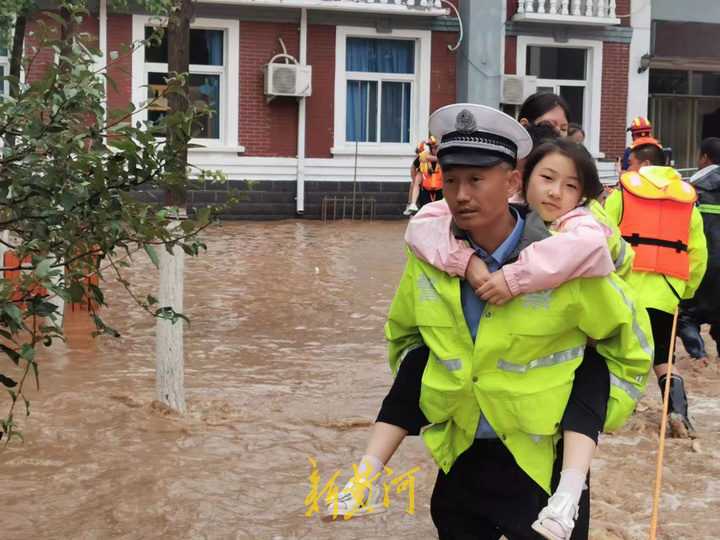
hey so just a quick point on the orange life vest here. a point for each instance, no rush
(657, 207)
(431, 179)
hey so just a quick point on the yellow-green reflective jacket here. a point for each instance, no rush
(520, 370)
(621, 252)
(656, 290)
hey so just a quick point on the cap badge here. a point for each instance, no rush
(465, 122)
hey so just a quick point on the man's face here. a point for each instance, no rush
(634, 164)
(703, 161)
(477, 197)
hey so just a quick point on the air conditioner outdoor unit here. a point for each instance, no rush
(287, 79)
(517, 88)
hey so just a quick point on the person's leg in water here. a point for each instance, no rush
(715, 334)
(688, 330)
(582, 423)
(412, 206)
(678, 416)
(399, 416)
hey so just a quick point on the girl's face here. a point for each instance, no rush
(556, 117)
(554, 187)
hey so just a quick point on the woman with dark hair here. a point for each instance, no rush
(546, 107)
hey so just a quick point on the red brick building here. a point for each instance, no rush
(378, 69)
(579, 49)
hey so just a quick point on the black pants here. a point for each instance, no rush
(661, 323)
(401, 407)
(689, 333)
(486, 495)
(427, 196)
(513, 498)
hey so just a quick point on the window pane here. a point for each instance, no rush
(705, 83)
(556, 63)
(395, 112)
(206, 47)
(2, 83)
(380, 55)
(157, 85)
(361, 112)
(204, 93)
(575, 97)
(668, 81)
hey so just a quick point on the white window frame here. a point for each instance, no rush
(592, 84)
(5, 64)
(420, 90)
(229, 78)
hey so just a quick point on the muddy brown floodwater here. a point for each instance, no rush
(285, 361)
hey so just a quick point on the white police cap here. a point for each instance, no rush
(478, 136)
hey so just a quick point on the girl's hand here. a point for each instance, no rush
(477, 272)
(495, 291)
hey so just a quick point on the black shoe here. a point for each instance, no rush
(678, 418)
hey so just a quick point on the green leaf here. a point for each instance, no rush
(13, 395)
(151, 253)
(27, 352)
(7, 381)
(27, 406)
(77, 292)
(35, 370)
(42, 269)
(187, 226)
(203, 214)
(14, 312)
(151, 299)
(13, 354)
(14, 433)
(113, 55)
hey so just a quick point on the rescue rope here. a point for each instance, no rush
(661, 449)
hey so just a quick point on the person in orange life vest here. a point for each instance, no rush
(657, 216)
(640, 127)
(426, 177)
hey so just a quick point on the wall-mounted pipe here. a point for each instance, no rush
(302, 113)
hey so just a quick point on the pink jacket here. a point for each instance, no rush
(581, 251)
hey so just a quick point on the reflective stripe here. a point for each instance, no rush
(621, 256)
(545, 361)
(709, 208)
(405, 352)
(639, 334)
(626, 387)
(454, 364)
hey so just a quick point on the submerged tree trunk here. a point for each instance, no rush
(170, 379)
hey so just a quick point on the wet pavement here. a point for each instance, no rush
(285, 361)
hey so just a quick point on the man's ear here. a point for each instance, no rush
(514, 183)
(524, 122)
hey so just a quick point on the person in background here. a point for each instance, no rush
(703, 307)
(546, 107)
(656, 214)
(576, 133)
(427, 178)
(639, 127)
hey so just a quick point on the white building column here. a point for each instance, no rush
(641, 23)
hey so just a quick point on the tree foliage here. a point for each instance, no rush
(68, 194)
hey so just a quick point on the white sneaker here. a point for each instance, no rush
(560, 509)
(347, 502)
(410, 209)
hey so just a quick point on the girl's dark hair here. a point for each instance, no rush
(542, 131)
(541, 103)
(590, 184)
(573, 128)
